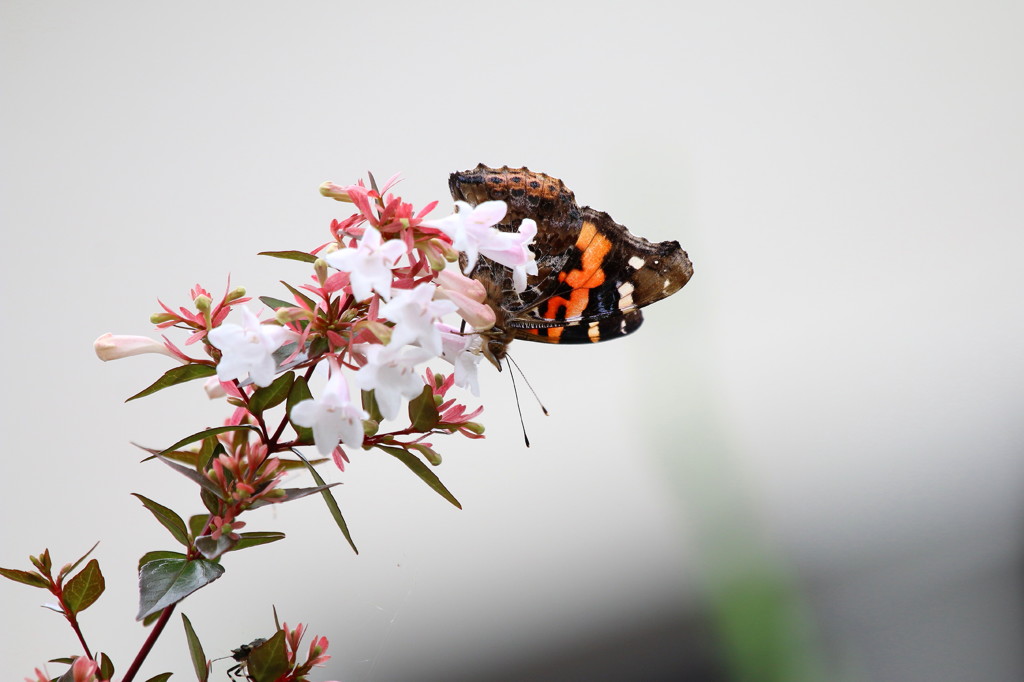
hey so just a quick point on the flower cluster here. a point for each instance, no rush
(316, 655)
(379, 304)
(382, 300)
(374, 310)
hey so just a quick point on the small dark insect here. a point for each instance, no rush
(241, 654)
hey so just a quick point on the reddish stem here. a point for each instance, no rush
(78, 631)
(148, 645)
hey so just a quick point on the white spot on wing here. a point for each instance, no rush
(636, 262)
(594, 333)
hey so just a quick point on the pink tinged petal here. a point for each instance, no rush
(519, 274)
(114, 347)
(455, 281)
(463, 351)
(489, 213)
(214, 389)
(528, 230)
(479, 315)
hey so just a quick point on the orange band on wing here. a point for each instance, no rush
(595, 248)
(573, 306)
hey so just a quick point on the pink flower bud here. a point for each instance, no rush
(114, 347)
(336, 192)
(469, 295)
(453, 280)
(480, 316)
(214, 389)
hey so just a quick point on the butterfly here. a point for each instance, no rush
(593, 274)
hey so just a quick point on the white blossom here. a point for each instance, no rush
(415, 314)
(463, 351)
(247, 350)
(391, 374)
(472, 231)
(369, 264)
(333, 417)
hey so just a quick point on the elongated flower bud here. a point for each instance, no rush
(115, 346)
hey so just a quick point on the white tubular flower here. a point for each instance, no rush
(390, 373)
(471, 230)
(415, 314)
(369, 264)
(463, 351)
(117, 346)
(469, 295)
(333, 417)
(248, 350)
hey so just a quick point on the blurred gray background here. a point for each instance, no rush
(806, 466)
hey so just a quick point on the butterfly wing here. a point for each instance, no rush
(593, 274)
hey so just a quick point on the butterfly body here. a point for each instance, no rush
(593, 274)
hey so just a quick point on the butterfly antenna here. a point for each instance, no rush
(523, 374)
(519, 407)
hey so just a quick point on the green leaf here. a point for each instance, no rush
(269, 660)
(195, 650)
(210, 501)
(210, 449)
(106, 667)
(332, 504)
(257, 538)
(292, 465)
(291, 494)
(70, 567)
(197, 524)
(420, 469)
(290, 255)
(187, 457)
(167, 518)
(167, 581)
(25, 577)
(151, 618)
(203, 482)
(318, 346)
(211, 549)
(162, 677)
(177, 375)
(158, 554)
(205, 433)
(299, 392)
(310, 305)
(272, 395)
(69, 674)
(275, 303)
(85, 588)
(423, 411)
(371, 406)
(42, 562)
